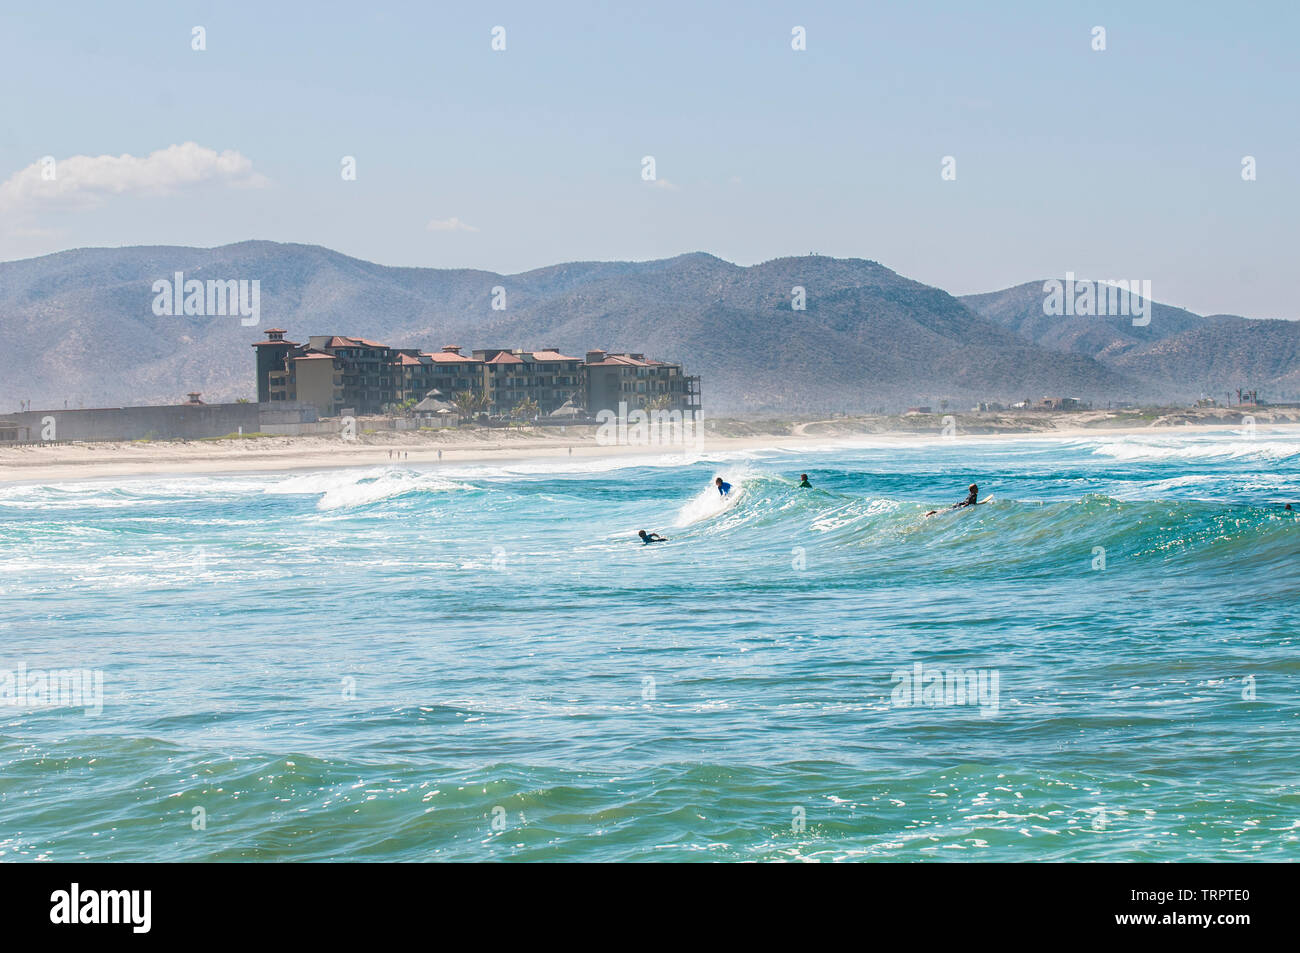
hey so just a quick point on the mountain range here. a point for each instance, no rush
(79, 327)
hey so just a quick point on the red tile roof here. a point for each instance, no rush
(624, 360)
(552, 356)
(339, 341)
(505, 357)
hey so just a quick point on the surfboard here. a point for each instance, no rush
(708, 504)
(950, 509)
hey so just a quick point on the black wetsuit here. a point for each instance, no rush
(969, 501)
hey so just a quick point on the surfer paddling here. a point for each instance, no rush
(649, 538)
(971, 500)
(723, 487)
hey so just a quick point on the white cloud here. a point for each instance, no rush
(450, 225)
(87, 181)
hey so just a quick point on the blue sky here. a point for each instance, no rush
(1123, 163)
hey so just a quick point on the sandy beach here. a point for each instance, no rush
(44, 463)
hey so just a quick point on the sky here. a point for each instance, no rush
(1117, 163)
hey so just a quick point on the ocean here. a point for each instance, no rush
(480, 662)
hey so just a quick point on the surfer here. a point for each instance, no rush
(648, 538)
(803, 482)
(723, 487)
(969, 501)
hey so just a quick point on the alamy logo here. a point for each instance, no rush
(1098, 298)
(211, 299)
(134, 907)
(53, 688)
(649, 428)
(936, 687)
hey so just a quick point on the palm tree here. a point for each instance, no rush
(469, 403)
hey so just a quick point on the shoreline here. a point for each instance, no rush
(34, 463)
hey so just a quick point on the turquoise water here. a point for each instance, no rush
(478, 662)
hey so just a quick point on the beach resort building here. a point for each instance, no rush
(639, 383)
(448, 372)
(346, 375)
(546, 378)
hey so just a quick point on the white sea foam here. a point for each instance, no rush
(709, 503)
(124, 493)
(1242, 449)
(347, 488)
(581, 466)
(565, 467)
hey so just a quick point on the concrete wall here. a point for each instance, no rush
(325, 427)
(168, 422)
(286, 412)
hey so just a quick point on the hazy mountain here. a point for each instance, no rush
(868, 337)
(1179, 354)
(79, 326)
(1232, 352)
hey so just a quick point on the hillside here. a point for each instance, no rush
(1180, 354)
(79, 327)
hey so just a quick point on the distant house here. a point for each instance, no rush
(1063, 403)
